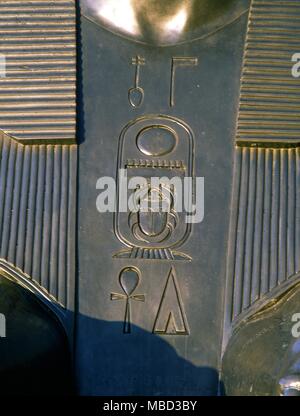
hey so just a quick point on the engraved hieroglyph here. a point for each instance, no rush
(153, 140)
(179, 61)
(171, 318)
(129, 280)
(136, 93)
(169, 144)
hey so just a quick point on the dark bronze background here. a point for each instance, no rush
(151, 305)
(181, 356)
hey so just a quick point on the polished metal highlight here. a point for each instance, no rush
(163, 23)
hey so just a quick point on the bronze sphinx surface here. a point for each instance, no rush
(149, 303)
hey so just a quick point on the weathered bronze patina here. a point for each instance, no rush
(170, 88)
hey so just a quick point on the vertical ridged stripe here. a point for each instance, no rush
(63, 219)
(258, 230)
(47, 219)
(297, 215)
(15, 208)
(266, 240)
(282, 246)
(249, 238)
(39, 209)
(56, 194)
(8, 201)
(274, 219)
(240, 241)
(291, 212)
(37, 214)
(30, 229)
(23, 207)
(267, 201)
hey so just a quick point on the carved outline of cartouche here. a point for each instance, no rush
(190, 169)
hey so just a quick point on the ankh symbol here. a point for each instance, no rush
(129, 279)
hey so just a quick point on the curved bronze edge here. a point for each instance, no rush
(24, 142)
(15, 275)
(168, 44)
(267, 303)
(289, 386)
